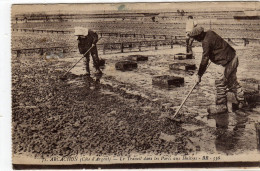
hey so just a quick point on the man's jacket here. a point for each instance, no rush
(216, 49)
(85, 42)
(190, 24)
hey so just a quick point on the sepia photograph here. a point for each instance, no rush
(135, 84)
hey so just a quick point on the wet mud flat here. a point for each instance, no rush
(122, 113)
(81, 116)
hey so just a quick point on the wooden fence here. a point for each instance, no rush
(41, 51)
(124, 46)
(102, 34)
(42, 31)
(120, 47)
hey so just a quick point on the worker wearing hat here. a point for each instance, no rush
(86, 39)
(217, 50)
(190, 24)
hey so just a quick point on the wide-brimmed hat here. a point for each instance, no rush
(81, 31)
(196, 31)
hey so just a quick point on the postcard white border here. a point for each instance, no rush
(5, 69)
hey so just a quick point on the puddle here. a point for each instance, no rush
(234, 133)
(166, 137)
(190, 127)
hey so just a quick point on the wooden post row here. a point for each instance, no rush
(104, 48)
(122, 47)
(156, 46)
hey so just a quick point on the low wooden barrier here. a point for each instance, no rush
(138, 45)
(102, 34)
(121, 47)
(40, 51)
(42, 31)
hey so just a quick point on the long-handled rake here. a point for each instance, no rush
(177, 111)
(63, 76)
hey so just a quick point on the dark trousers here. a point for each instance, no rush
(94, 53)
(189, 42)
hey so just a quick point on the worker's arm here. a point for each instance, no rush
(195, 23)
(204, 60)
(94, 35)
(95, 40)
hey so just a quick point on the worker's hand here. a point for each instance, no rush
(197, 79)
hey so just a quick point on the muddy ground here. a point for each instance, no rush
(122, 113)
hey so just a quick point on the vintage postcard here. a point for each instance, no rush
(135, 83)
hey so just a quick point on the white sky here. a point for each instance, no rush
(194, 6)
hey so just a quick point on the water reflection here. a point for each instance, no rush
(224, 139)
(95, 81)
(228, 135)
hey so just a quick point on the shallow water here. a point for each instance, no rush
(228, 133)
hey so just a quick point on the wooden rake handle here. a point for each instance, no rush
(80, 58)
(78, 61)
(177, 111)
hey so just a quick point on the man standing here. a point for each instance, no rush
(190, 24)
(221, 53)
(85, 42)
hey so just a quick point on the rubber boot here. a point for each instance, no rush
(217, 109)
(98, 72)
(242, 105)
(87, 70)
(239, 95)
(242, 108)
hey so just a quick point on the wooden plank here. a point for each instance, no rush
(138, 57)
(125, 65)
(182, 66)
(168, 81)
(252, 97)
(182, 56)
(257, 127)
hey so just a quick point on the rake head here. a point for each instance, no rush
(64, 77)
(174, 119)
